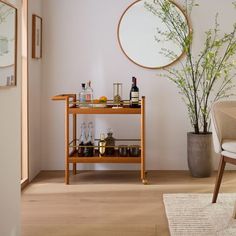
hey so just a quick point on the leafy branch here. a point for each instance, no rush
(204, 78)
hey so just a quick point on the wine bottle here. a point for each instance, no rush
(134, 94)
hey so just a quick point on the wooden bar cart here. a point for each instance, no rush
(71, 154)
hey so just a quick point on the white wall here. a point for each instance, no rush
(34, 88)
(80, 44)
(10, 150)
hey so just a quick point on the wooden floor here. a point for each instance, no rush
(106, 203)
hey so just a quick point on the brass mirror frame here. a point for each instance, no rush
(15, 51)
(157, 67)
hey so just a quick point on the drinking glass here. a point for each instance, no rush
(117, 94)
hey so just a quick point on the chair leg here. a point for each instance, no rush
(234, 213)
(218, 179)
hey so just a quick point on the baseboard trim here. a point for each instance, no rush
(24, 183)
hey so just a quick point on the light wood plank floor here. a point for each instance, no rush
(106, 203)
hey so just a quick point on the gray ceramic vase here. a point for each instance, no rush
(199, 154)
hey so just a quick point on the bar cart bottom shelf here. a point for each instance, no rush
(74, 158)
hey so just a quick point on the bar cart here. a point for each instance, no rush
(71, 146)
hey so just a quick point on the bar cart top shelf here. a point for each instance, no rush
(74, 109)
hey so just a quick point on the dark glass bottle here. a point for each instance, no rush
(134, 94)
(89, 145)
(110, 143)
(82, 141)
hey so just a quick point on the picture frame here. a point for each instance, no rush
(8, 44)
(37, 23)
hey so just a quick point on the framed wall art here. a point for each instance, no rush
(8, 44)
(36, 37)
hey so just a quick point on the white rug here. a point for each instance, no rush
(195, 215)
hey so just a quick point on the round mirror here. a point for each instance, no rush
(142, 34)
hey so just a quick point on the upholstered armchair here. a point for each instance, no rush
(223, 117)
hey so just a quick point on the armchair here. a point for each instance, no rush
(223, 117)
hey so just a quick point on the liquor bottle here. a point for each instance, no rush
(134, 94)
(89, 94)
(82, 140)
(102, 145)
(82, 96)
(110, 143)
(89, 145)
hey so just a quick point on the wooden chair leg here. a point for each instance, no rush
(234, 213)
(219, 178)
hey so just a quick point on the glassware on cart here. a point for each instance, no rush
(82, 96)
(82, 140)
(123, 150)
(134, 150)
(89, 145)
(102, 145)
(110, 143)
(117, 95)
(89, 95)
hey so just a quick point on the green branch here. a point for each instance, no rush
(205, 79)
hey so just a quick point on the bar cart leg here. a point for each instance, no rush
(74, 169)
(67, 141)
(67, 173)
(74, 136)
(143, 172)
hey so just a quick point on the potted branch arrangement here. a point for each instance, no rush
(201, 79)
